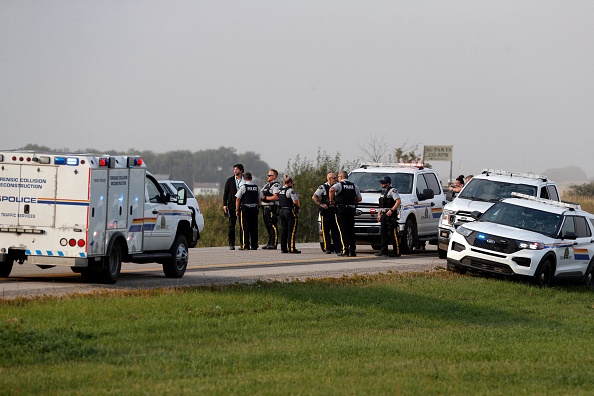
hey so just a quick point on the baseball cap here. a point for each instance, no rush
(385, 179)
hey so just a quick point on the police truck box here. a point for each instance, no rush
(91, 213)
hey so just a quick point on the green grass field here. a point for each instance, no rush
(436, 333)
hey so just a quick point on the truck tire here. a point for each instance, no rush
(442, 253)
(176, 266)
(112, 264)
(544, 274)
(6, 268)
(408, 240)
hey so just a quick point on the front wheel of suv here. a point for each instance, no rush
(408, 240)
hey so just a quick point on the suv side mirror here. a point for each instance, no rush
(427, 194)
(476, 214)
(181, 196)
(570, 235)
(450, 195)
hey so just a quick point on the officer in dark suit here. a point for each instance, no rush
(247, 201)
(231, 187)
(345, 195)
(270, 208)
(330, 237)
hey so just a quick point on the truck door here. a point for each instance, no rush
(158, 218)
(117, 200)
(136, 210)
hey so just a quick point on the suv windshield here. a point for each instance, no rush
(369, 182)
(493, 191)
(535, 220)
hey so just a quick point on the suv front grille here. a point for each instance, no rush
(492, 242)
(486, 265)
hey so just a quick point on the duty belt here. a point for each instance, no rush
(249, 205)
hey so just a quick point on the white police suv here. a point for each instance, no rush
(484, 190)
(422, 202)
(527, 236)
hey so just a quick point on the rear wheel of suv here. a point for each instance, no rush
(408, 240)
(6, 268)
(544, 273)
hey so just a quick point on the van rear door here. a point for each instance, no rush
(28, 195)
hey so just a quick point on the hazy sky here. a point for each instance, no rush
(510, 84)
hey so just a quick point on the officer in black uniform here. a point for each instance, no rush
(289, 213)
(247, 201)
(389, 202)
(270, 208)
(327, 216)
(345, 195)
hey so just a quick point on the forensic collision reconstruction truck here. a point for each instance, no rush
(91, 213)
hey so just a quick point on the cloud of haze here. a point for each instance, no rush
(509, 83)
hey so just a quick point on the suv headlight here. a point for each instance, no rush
(530, 245)
(463, 231)
(447, 218)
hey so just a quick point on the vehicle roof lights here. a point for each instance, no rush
(512, 174)
(366, 165)
(567, 205)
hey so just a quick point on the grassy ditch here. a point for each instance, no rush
(388, 334)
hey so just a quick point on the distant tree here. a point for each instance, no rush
(377, 150)
(308, 175)
(586, 189)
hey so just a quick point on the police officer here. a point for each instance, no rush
(345, 195)
(327, 216)
(288, 201)
(389, 202)
(248, 198)
(270, 208)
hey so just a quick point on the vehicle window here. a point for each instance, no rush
(185, 187)
(568, 226)
(583, 231)
(152, 193)
(166, 188)
(544, 193)
(545, 223)
(493, 191)
(369, 182)
(553, 193)
(421, 184)
(433, 183)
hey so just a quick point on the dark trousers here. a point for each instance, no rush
(271, 222)
(232, 222)
(330, 238)
(345, 218)
(389, 233)
(249, 227)
(288, 222)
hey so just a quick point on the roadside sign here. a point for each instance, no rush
(438, 153)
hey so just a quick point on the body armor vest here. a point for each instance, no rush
(386, 201)
(325, 199)
(283, 200)
(250, 196)
(348, 195)
(267, 189)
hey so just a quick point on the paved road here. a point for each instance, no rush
(211, 266)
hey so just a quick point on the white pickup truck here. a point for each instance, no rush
(91, 213)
